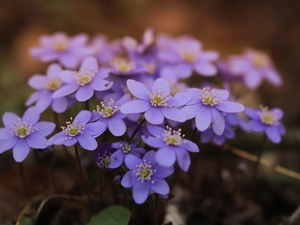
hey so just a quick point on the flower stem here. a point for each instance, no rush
(256, 164)
(25, 190)
(137, 128)
(83, 183)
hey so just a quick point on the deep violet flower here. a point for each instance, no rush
(84, 82)
(171, 145)
(268, 121)
(45, 86)
(103, 155)
(24, 133)
(79, 130)
(109, 113)
(157, 103)
(254, 66)
(207, 107)
(68, 51)
(144, 176)
(123, 149)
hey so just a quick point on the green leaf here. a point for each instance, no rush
(112, 215)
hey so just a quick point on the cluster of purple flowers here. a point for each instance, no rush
(144, 102)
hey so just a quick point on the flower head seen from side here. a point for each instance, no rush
(268, 121)
(84, 82)
(171, 145)
(123, 149)
(23, 133)
(109, 113)
(103, 155)
(157, 103)
(45, 86)
(231, 120)
(69, 51)
(207, 107)
(79, 131)
(254, 66)
(145, 176)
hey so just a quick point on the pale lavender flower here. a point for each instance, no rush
(171, 145)
(24, 133)
(79, 130)
(85, 82)
(68, 51)
(157, 103)
(207, 106)
(145, 176)
(123, 149)
(185, 55)
(254, 66)
(45, 86)
(268, 121)
(109, 113)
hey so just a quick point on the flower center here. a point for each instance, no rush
(159, 98)
(144, 171)
(125, 147)
(209, 98)
(260, 59)
(84, 78)
(172, 137)
(123, 65)
(104, 159)
(72, 129)
(150, 68)
(188, 57)
(22, 129)
(53, 84)
(107, 111)
(61, 46)
(269, 117)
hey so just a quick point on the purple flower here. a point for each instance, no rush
(171, 146)
(268, 121)
(144, 176)
(254, 66)
(79, 130)
(123, 149)
(84, 82)
(111, 116)
(103, 155)
(207, 107)
(45, 86)
(230, 121)
(24, 133)
(185, 55)
(68, 51)
(125, 66)
(157, 103)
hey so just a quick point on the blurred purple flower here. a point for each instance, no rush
(123, 149)
(157, 103)
(268, 121)
(144, 176)
(254, 66)
(184, 55)
(207, 107)
(79, 130)
(68, 51)
(84, 82)
(24, 133)
(45, 86)
(171, 145)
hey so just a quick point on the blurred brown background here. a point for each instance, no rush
(227, 26)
